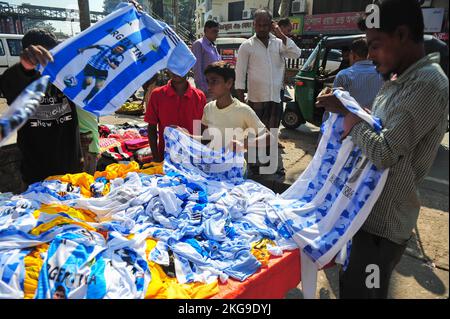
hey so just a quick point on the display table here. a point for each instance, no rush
(271, 282)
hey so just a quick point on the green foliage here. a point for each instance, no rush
(31, 24)
(110, 5)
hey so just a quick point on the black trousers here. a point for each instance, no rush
(270, 113)
(372, 261)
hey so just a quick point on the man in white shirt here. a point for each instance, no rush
(262, 59)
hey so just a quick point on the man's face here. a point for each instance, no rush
(287, 30)
(176, 79)
(118, 50)
(212, 33)
(385, 50)
(263, 26)
(59, 295)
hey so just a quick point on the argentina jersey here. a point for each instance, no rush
(104, 65)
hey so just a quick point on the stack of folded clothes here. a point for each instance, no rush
(124, 142)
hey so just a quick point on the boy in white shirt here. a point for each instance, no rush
(227, 122)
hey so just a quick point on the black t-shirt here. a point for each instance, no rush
(50, 140)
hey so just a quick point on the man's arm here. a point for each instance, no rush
(89, 47)
(420, 110)
(114, 64)
(153, 142)
(290, 50)
(341, 81)
(241, 71)
(199, 77)
(151, 117)
(17, 77)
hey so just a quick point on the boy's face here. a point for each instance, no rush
(176, 79)
(217, 86)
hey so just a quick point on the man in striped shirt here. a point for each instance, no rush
(413, 108)
(98, 66)
(361, 80)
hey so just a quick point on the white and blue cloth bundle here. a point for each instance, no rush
(100, 68)
(23, 107)
(204, 218)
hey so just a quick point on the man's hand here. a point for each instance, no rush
(137, 5)
(350, 121)
(277, 31)
(181, 129)
(330, 103)
(240, 95)
(34, 55)
(236, 146)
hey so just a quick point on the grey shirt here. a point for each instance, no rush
(413, 109)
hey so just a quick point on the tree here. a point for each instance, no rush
(157, 7)
(110, 5)
(31, 24)
(186, 15)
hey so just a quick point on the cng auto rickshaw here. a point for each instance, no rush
(319, 72)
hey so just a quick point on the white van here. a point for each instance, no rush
(10, 49)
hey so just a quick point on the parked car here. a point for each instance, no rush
(314, 76)
(10, 49)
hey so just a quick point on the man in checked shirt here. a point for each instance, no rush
(413, 107)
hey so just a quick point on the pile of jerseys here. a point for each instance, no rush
(125, 142)
(131, 233)
(140, 235)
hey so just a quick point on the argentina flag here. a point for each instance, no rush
(104, 65)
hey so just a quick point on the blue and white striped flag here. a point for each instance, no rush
(104, 65)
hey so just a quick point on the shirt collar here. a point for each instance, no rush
(208, 41)
(426, 60)
(364, 62)
(271, 38)
(170, 91)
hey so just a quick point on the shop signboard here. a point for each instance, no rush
(433, 18)
(236, 28)
(332, 23)
(297, 25)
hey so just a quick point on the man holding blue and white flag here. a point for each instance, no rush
(412, 106)
(50, 140)
(132, 48)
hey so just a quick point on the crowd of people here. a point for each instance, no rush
(388, 74)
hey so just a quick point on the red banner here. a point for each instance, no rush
(329, 23)
(442, 36)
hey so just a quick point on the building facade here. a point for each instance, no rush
(310, 18)
(236, 17)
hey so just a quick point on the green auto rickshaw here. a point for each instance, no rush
(320, 69)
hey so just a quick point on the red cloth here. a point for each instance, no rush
(166, 108)
(136, 144)
(271, 282)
